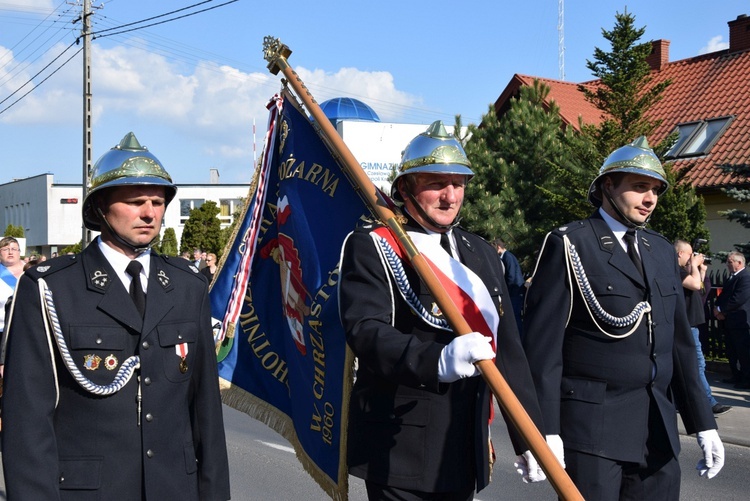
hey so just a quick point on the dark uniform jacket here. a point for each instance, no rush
(87, 446)
(734, 300)
(406, 429)
(594, 389)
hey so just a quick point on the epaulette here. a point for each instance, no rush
(182, 265)
(654, 233)
(570, 227)
(53, 265)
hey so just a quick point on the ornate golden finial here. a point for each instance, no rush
(276, 53)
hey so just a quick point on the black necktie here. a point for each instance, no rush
(632, 251)
(136, 289)
(445, 243)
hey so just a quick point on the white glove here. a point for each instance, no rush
(713, 453)
(529, 468)
(457, 359)
(556, 444)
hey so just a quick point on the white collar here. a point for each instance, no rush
(120, 261)
(616, 226)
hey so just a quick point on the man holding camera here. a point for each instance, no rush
(693, 274)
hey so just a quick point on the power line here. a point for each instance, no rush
(166, 20)
(37, 74)
(40, 83)
(154, 17)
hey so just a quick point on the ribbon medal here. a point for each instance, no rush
(182, 351)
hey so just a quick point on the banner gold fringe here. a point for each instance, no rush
(249, 404)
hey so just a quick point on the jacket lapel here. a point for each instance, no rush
(618, 257)
(101, 278)
(158, 298)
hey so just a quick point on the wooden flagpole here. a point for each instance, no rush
(277, 55)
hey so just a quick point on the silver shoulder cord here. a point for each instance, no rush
(53, 330)
(592, 304)
(393, 263)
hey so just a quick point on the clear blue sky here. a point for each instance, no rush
(190, 89)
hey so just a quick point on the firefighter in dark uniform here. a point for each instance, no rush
(418, 419)
(609, 343)
(111, 394)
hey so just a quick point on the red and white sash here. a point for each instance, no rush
(467, 291)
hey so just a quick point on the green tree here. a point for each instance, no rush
(14, 231)
(625, 91)
(228, 232)
(169, 242)
(202, 229)
(75, 249)
(516, 193)
(740, 216)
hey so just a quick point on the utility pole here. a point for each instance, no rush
(86, 36)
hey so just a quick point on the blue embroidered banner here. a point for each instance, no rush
(281, 347)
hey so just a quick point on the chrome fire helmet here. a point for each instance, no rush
(634, 158)
(127, 164)
(435, 151)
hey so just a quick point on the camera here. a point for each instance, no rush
(706, 259)
(697, 243)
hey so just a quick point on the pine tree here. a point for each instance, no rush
(625, 91)
(169, 242)
(202, 229)
(14, 231)
(520, 160)
(738, 215)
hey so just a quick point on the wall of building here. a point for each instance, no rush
(50, 214)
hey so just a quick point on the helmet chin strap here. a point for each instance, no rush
(431, 221)
(623, 218)
(134, 248)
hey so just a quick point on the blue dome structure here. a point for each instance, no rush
(346, 108)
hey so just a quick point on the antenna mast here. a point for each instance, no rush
(561, 38)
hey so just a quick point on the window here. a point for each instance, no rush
(227, 207)
(697, 138)
(188, 204)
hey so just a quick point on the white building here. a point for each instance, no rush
(50, 213)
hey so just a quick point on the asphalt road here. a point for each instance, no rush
(264, 468)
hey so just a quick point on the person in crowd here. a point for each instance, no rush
(609, 343)
(513, 278)
(199, 258)
(111, 386)
(419, 412)
(210, 270)
(11, 269)
(186, 255)
(693, 274)
(733, 306)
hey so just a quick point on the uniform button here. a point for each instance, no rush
(570, 392)
(609, 287)
(149, 417)
(62, 479)
(98, 340)
(150, 453)
(145, 345)
(179, 336)
(147, 380)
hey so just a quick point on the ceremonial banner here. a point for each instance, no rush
(281, 347)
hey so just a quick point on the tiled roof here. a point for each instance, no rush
(704, 87)
(710, 86)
